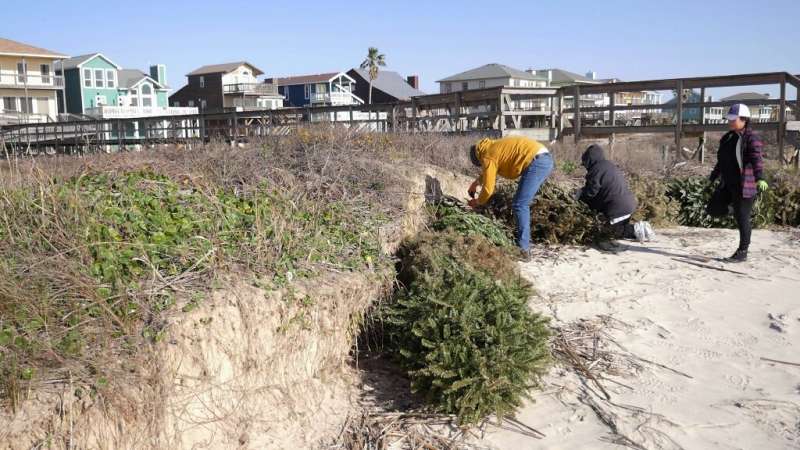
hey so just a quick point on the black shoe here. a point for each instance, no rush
(739, 256)
(524, 256)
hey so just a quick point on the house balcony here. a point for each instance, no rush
(16, 118)
(333, 98)
(31, 81)
(124, 112)
(251, 89)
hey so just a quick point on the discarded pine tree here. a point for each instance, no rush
(461, 327)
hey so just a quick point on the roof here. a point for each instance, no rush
(224, 68)
(391, 83)
(565, 76)
(693, 97)
(76, 61)
(491, 71)
(128, 78)
(9, 47)
(746, 96)
(305, 79)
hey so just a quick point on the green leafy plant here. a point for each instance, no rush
(692, 195)
(461, 327)
(89, 263)
(568, 167)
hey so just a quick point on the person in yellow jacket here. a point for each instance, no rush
(514, 157)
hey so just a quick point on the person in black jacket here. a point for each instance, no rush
(740, 167)
(607, 192)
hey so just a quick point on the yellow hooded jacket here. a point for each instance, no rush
(506, 157)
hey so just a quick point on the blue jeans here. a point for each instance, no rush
(529, 183)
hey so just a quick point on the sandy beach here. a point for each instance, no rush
(684, 336)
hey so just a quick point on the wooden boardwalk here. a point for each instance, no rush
(542, 113)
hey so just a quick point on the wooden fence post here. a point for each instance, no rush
(577, 114)
(679, 119)
(782, 120)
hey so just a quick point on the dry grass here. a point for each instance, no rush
(323, 194)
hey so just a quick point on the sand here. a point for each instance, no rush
(702, 331)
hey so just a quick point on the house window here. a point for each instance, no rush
(100, 100)
(147, 101)
(22, 70)
(202, 104)
(10, 103)
(447, 88)
(87, 78)
(464, 86)
(176, 104)
(202, 81)
(99, 78)
(146, 89)
(44, 69)
(27, 105)
(111, 78)
(190, 103)
(307, 90)
(481, 84)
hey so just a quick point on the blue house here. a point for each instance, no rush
(96, 86)
(335, 88)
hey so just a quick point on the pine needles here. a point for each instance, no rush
(461, 327)
(451, 216)
(556, 217)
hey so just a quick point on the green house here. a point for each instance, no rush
(96, 86)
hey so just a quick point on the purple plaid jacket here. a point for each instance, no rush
(752, 162)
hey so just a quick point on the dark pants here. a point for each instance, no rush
(742, 211)
(623, 229)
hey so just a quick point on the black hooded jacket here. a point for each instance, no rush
(606, 189)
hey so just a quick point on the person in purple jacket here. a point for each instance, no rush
(740, 168)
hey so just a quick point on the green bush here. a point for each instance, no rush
(556, 217)
(469, 223)
(692, 195)
(461, 327)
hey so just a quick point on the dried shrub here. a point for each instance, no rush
(782, 200)
(461, 326)
(556, 217)
(654, 204)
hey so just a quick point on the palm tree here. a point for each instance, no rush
(372, 62)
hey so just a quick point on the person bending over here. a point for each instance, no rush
(513, 157)
(606, 191)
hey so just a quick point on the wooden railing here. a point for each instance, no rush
(251, 88)
(31, 81)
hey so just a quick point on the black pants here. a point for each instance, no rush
(623, 229)
(742, 212)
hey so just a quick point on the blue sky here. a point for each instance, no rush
(625, 39)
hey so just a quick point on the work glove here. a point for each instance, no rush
(762, 185)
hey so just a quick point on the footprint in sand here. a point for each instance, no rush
(739, 381)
